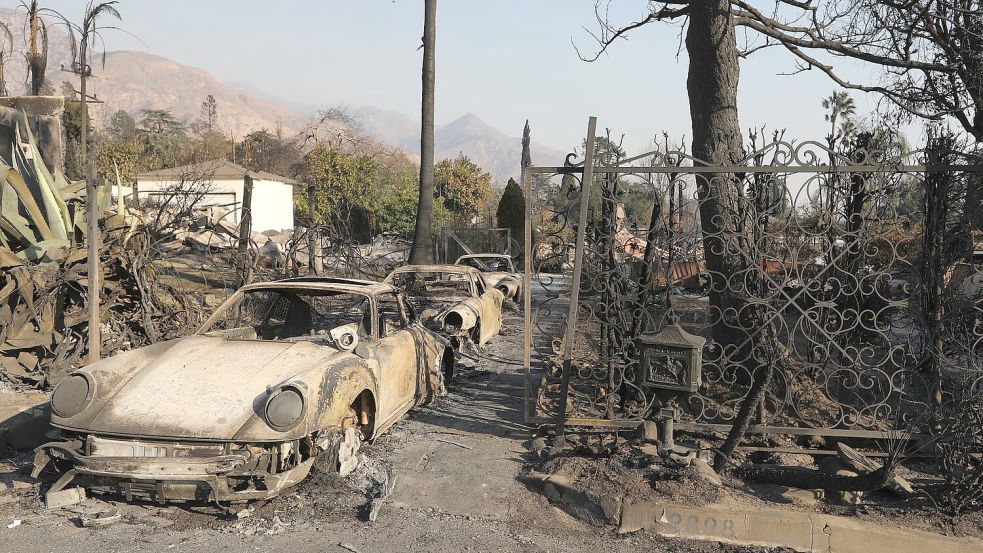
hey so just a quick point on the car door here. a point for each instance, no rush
(394, 348)
(490, 302)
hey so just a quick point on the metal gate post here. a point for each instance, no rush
(578, 265)
(527, 262)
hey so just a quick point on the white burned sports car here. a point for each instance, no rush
(499, 271)
(453, 300)
(283, 377)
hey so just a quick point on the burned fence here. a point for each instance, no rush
(845, 281)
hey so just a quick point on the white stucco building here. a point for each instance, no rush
(221, 183)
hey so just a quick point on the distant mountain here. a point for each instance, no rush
(134, 81)
(490, 148)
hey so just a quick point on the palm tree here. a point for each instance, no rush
(37, 42)
(37, 45)
(840, 105)
(6, 49)
(422, 251)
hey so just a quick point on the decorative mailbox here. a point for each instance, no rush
(670, 359)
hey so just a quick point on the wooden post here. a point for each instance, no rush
(245, 228)
(92, 219)
(527, 261)
(578, 265)
(312, 267)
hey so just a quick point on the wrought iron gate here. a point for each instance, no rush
(852, 274)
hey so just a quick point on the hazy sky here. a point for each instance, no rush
(503, 60)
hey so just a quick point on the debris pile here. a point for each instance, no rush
(43, 315)
(592, 475)
(43, 271)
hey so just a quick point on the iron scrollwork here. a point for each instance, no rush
(834, 293)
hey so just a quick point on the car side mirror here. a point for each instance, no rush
(344, 338)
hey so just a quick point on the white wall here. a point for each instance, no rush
(273, 207)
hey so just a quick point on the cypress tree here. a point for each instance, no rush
(512, 210)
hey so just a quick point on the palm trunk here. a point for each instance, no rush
(422, 252)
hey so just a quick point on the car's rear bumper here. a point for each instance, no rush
(223, 478)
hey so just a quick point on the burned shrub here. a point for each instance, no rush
(959, 448)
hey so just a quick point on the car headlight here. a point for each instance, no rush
(70, 397)
(284, 408)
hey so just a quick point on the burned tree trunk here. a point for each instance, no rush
(807, 479)
(712, 86)
(245, 229)
(714, 71)
(938, 184)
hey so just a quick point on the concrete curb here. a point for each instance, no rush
(806, 532)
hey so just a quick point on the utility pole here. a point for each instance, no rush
(83, 70)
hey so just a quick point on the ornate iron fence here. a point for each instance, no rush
(852, 275)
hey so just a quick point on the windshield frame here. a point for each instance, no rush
(483, 258)
(297, 288)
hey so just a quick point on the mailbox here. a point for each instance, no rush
(670, 359)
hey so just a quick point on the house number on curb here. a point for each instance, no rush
(709, 526)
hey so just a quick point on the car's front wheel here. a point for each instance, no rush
(348, 446)
(340, 453)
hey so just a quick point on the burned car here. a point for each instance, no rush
(283, 377)
(499, 271)
(454, 300)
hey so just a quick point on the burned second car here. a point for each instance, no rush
(283, 377)
(454, 300)
(499, 271)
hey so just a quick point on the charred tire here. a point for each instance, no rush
(447, 361)
(476, 335)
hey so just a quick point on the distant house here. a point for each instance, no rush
(220, 182)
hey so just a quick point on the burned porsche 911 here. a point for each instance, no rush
(454, 300)
(285, 376)
(499, 271)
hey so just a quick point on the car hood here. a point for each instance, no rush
(200, 387)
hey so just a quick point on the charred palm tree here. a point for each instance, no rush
(422, 252)
(6, 49)
(36, 30)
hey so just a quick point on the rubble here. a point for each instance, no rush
(100, 518)
(64, 498)
(860, 463)
(706, 472)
